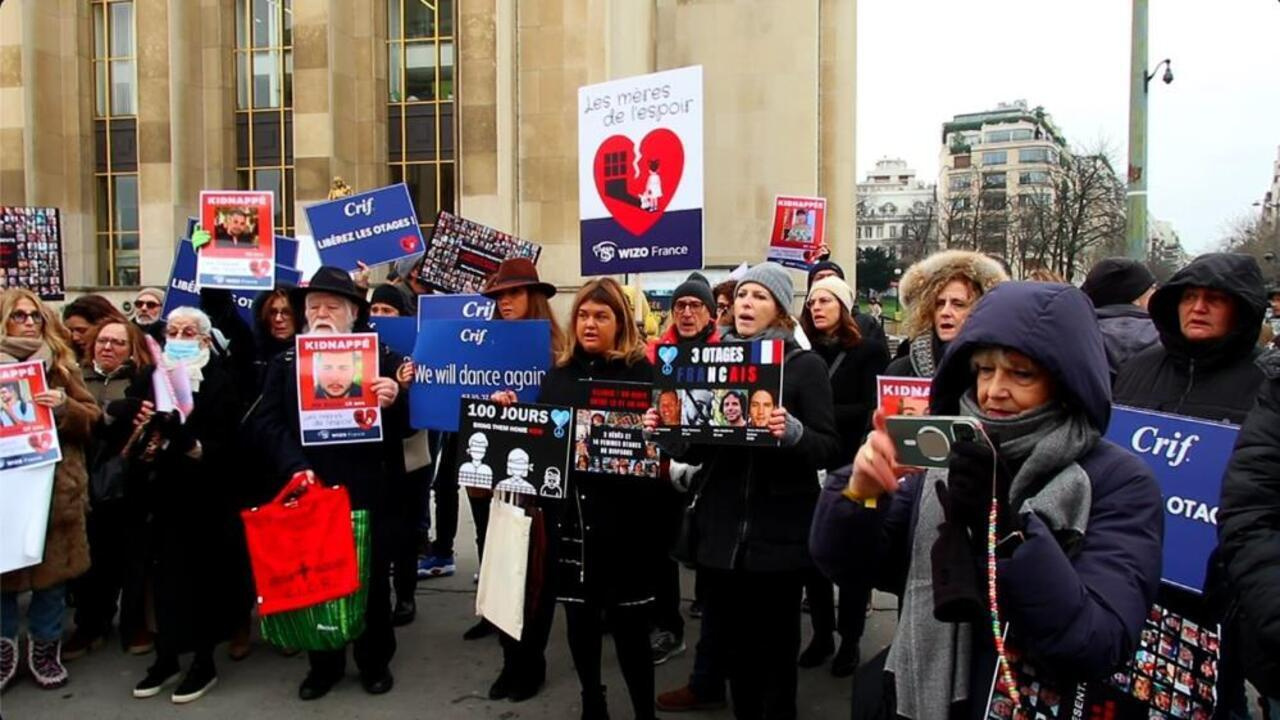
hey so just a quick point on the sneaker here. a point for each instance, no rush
(199, 680)
(44, 659)
(404, 612)
(482, 629)
(665, 645)
(433, 566)
(8, 661)
(157, 678)
(81, 644)
(685, 700)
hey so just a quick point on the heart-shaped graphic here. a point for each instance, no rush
(40, 442)
(560, 417)
(259, 268)
(365, 418)
(668, 353)
(637, 189)
(409, 243)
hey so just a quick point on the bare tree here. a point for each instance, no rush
(919, 231)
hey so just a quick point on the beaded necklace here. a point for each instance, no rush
(1002, 658)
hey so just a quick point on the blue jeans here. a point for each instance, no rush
(44, 617)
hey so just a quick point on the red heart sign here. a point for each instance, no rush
(365, 418)
(41, 442)
(409, 243)
(637, 189)
(259, 267)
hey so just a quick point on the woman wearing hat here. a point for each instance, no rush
(519, 294)
(853, 362)
(939, 292)
(754, 507)
(331, 304)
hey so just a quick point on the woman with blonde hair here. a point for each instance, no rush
(30, 330)
(604, 540)
(938, 293)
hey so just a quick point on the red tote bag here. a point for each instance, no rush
(302, 547)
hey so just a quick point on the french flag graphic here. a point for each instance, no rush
(766, 352)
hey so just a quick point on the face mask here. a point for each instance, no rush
(179, 349)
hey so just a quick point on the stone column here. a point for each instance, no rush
(339, 98)
(487, 112)
(13, 107)
(838, 99)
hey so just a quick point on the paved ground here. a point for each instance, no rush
(438, 675)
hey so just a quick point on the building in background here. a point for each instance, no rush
(118, 112)
(1166, 245)
(896, 211)
(1270, 204)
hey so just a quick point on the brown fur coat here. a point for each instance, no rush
(66, 544)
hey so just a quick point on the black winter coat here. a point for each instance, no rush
(604, 530)
(755, 505)
(366, 469)
(1126, 331)
(853, 391)
(1249, 530)
(1215, 380)
(906, 364)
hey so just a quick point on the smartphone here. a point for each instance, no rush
(926, 441)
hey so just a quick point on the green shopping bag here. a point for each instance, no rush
(329, 625)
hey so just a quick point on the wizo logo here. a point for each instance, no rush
(605, 251)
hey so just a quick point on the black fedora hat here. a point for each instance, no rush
(332, 280)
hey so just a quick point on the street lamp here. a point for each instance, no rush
(1168, 73)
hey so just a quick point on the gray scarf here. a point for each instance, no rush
(930, 660)
(921, 354)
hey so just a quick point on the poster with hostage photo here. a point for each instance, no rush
(336, 403)
(609, 430)
(462, 253)
(28, 436)
(903, 395)
(520, 448)
(718, 393)
(240, 254)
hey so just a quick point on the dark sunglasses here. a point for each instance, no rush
(147, 304)
(21, 317)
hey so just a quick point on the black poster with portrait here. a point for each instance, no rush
(609, 429)
(719, 393)
(31, 251)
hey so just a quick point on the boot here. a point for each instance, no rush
(594, 706)
(44, 659)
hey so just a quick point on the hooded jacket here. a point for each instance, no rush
(1126, 331)
(1074, 615)
(1215, 380)
(1249, 530)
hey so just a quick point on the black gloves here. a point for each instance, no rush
(957, 588)
(969, 480)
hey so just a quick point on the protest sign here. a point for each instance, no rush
(374, 227)
(241, 252)
(24, 515)
(609, 429)
(336, 402)
(718, 393)
(463, 253)
(397, 333)
(456, 359)
(454, 307)
(520, 448)
(286, 251)
(640, 173)
(183, 290)
(31, 252)
(1188, 458)
(799, 228)
(28, 436)
(1173, 674)
(903, 395)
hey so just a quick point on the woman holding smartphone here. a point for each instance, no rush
(1076, 542)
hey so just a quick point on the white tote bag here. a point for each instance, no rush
(500, 597)
(24, 515)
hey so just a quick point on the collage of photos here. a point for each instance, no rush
(612, 442)
(720, 408)
(462, 253)
(31, 251)
(1175, 668)
(1040, 701)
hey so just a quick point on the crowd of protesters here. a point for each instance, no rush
(144, 532)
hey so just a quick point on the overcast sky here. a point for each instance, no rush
(1213, 133)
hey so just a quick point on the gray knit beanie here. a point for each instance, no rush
(774, 278)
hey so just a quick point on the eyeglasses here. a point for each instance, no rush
(188, 333)
(280, 312)
(113, 342)
(722, 308)
(688, 306)
(21, 317)
(147, 304)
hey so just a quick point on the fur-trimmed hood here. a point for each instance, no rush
(922, 282)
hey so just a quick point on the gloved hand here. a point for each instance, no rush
(123, 410)
(969, 481)
(954, 564)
